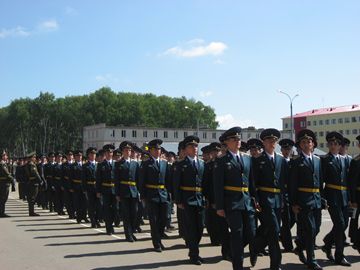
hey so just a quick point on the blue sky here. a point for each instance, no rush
(232, 55)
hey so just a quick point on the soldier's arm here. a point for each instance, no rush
(176, 183)
(218, 175)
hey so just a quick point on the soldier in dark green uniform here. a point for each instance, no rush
(66, 184)
(255, 146)
(126, 181)
(79, 197)
(154, 184)
(48, 176)
(270, 172)
(20, 178)
(287, 215)
(105, 187)
(337, 196)
(41, 199)
(354, 183)
(235, 196)
(188, 186)
(305, 188)
(5, 180)
(89, 183)
(57, 183)
(33, 182)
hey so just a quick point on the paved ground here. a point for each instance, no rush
(54, 242)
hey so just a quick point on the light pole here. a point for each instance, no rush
(197, 120)
(291, 99)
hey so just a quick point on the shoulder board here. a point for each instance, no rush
(279, 154)
(357, 157)
(245, 154)
(316, 157)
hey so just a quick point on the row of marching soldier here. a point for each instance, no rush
(242, 199)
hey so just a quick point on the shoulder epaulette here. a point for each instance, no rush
(357, 157)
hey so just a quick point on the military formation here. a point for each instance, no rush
(241, 199)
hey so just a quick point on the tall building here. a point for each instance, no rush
(344, 119)
(100, 134)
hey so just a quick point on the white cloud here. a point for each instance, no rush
(18, 31)
(49, 25)
(227, 121)
(197, 48)
(70, 11)
(206, 93)
(106, 78)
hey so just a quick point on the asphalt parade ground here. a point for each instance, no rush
(52, 242)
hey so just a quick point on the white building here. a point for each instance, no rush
(100, 134)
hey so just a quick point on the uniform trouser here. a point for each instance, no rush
(69, 203)
(51, 195)
(59, 200)
(241, 224)
(4, 194)
(140, 214)
(157, 216)
(110, 210)
(353, 226)
(269, 235)
(194, 222)
(340, 219)
(93, 207)
(129, 209)
(32, 192)
(181, 222)
(80, 203)
(309, 222)
(212, 224)
(168, 216)
(287, 222)
(22, 190)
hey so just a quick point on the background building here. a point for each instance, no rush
(100, 134)
(344, 119)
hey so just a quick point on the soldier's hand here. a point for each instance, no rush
(296, 209)
(118, 198)
(181, 206)
(220, 213)
(98, 195)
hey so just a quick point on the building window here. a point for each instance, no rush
(316, 134)
(134, 133)
(355, 131)
(341, 132)
(155, 134)
(145, 133)
(123, 133)
(353, 119)
(347, 120)
(347, 132)
(321, 133)
(214, 135)
(302, 124)
(249, 136)
(340, 120)
(204, 135)
(257, 135)
(314, 123)
(286, 125)
(327, 122)
(176, 135)
(333, 121)
(165, 134)
(112, 133)
(321, 122)
(195, 133)
(185, 134)
(309, 123)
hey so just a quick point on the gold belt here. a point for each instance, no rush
(268, 189)
(77, 181)
(155, 186)
(32, 178)
(108, 184)
(309, 190)
(128, 183)
(239, 189)
(336, 187)
(91, 182)
(196, 189)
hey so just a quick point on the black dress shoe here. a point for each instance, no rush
(86, 220)
(343, 262)
(98, 225)
(346, 244)
(162, 246)
(93, 225)
(201, 259)
(165, 236)
(253, 259)
(134, 237)
(138, 229)
(195, 261)
(314, 266)
(130, 239)
(328, 253)
(157, 249)
(4, 215)
(34, 215)
(300, 254)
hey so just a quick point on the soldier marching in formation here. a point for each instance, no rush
(240, 199)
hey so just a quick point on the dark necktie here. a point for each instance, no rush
(272, 161)
(194, 165)
(157, 163)
(339, 162)
(310, 162)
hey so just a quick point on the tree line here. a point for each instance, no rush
(47, 123)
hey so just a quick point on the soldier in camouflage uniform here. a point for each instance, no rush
(5, 180)
(33, 182)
